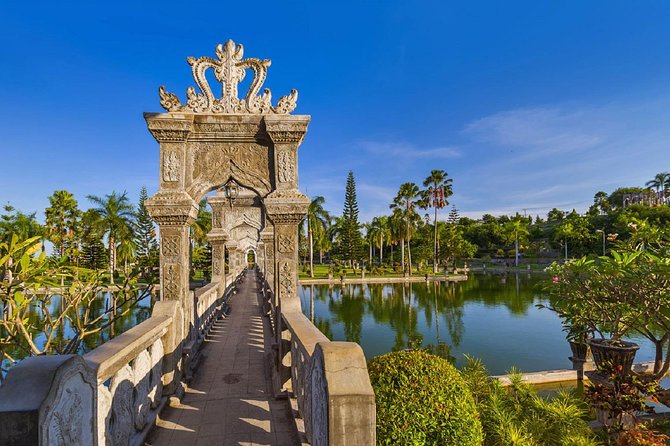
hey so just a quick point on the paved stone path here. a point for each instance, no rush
(229, 400)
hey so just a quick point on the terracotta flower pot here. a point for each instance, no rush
(618, 353)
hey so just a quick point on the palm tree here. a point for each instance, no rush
(61, 219)
(317, 217)
(115, 213)
(515, 229)
(404, 203)
(380, 232)
(438, 190)
(660, 181)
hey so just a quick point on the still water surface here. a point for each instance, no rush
(490, 316)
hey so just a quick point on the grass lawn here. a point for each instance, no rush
(321, 272)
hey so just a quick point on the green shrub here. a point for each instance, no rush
(517, 416)
(422, 400)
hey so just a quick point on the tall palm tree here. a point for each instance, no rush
(115, 214)
(61, 219)
(439, 188)
(404, 202)
(397, 235)
(317, 219)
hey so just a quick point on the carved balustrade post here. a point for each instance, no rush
(217, 239)
(231, 249)
(267, 237)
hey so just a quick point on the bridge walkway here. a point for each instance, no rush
(229, 401)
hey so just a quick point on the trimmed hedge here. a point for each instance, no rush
(422, 399)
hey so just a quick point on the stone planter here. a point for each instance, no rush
(618, 353)
(580, 351)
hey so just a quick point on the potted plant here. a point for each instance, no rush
(595, 299)
(619, 398)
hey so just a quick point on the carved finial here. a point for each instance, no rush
(229, 69)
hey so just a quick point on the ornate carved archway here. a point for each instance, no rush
(209, 141)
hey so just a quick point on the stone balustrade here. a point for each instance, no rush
(331, 384)
(113, 394)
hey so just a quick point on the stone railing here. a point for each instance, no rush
(331, 384)
(111, 395)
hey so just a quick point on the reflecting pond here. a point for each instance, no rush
(490, 316)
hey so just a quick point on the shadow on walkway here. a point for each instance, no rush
(229, 400)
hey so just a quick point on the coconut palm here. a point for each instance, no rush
(115, 213)
(405, 203)
(61, 219)
(317, 221)
(660, 182)
(439, 188)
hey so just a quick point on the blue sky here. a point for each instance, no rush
(527, 105)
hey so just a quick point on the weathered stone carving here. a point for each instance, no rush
(319, 402)
(214, 163)
(170, 245)
(66, 423)
(286, 243)
(286, 281)
(286, 166)
(216, 267)
(141, 402)
(121, 426)
(172, 280)
(155, 382)
(171, 166)
(229, 69)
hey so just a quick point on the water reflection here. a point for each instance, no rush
(491, 316)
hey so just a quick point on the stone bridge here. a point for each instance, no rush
(233, 362)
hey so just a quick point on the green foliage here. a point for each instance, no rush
(62, 220)
(145, 236)
(350, 234)
(517, 416)
(422, 400)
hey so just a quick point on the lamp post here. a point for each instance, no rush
(602, 231)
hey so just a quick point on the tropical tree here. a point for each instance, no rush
(317, 222)
(15, 222)
(404, 204)
(381, 233)
(115, 218)
(660, 182)
(61, 220)
(516, 229)
(199, 254)
(439, 188)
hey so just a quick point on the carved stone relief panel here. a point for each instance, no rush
(286, 280)
(171, 166)
(214, 163)
(286, 166)
(170, 245)
(286, 243)
(121, 425)
(69, 411)
(171, 281)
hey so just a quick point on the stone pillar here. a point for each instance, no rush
(217, 239)
(231, 248)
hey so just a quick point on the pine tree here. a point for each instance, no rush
(453, 215)
(145, 234)
(351, 236)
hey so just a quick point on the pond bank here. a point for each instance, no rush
(565, 375)
(408, 279)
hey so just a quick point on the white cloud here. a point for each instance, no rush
(541, 129)
(408, 150)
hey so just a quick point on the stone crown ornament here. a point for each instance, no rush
(229, 69)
